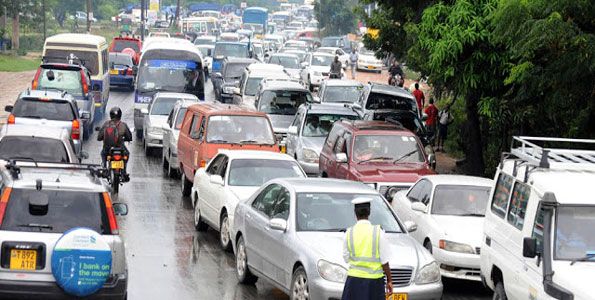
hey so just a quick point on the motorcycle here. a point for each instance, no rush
(116, 163)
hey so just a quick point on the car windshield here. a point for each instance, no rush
(322, 60)
(50, 110)
(329, 51)
(120, 45)
(35, 148)
(387, 101)
(234, 70)
(334, 212)
(396, 148)
(460, 200)
(342, 94)
(239, 129)
(320, 124)
(331, 42)
(283, 102)
(169, 75)
(119, 59)
(574, 233)
(90, 59)
(65, 210)
(255, 172)
(231, 50)
(65, 80)
(180, 117)
(300, 54)
(162, 106)
(201, 41)
(289, 62)
(252, 86)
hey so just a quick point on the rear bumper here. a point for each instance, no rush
(11, 289)
(121, 80)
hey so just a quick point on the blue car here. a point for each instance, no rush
(122, 70)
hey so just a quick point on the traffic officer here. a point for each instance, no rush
(366, 250)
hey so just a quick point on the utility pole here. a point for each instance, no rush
(177, 13)
(44, 23)
(89, 15)
(142, 20)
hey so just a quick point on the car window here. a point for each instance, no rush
(387, 101)
(36, 148)
(518, 205)
(223, 167)
(180, 117)
(460, 200)
(264, 202)
(341, 94)
(65, 210)
(537, 233)
(395, 147)
(318, 125)
(229, 129)
(282, 102)
(426, 192)
(193, 126)
(162, 106)
(214, 167)
(201, 130)
(502, 194)
(65, 80)
(415, 193)
(50, 110)
(340, 145)
(297, 120)
(89, 58)
(120, 45)
(333, 135)
(256, 172)
(280, 207)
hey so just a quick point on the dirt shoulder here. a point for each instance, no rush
(11, 85)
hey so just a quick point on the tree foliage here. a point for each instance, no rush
(335, 17)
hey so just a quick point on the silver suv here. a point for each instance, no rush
(38, 203)
(28, 142)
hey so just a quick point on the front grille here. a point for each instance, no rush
(401, 277)
(478, 250)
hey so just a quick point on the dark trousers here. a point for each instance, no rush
(363, 289)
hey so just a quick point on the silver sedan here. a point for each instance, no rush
(291, 232)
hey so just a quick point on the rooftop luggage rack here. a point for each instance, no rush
(15, 170)
(527, 152)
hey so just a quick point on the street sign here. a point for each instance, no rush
(154, 5)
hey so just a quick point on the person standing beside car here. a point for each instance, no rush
(353, 57)
(366, 250)
(336, 67)
(432, 112)
(419, 97)
(444, 119)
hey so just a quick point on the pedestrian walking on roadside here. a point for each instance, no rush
(432, 118)
(419, 97)
(366, 250)
(353, 61)
(444, 119)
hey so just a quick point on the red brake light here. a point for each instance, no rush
(4, 202)
(76, 130)
(85, 85)
(111, 216)
(129, 71)
(35, 82)
(11, 119)
(117, 157)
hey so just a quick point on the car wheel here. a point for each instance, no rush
(224, 234)
(171, 172)
(299, 285)
(147, 148)
(164, 163)
(199, 224)
(242, 270)
(499, 292)
(428, 246)
(186, 186)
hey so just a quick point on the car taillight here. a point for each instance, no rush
(35, 82)
(129, 71)
(4, 202)
(84, 81)
(117, 157)
(111, 216)
(76, 130)
(11, 119)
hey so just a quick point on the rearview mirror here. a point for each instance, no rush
(341, 158)
(410, 226)
(8, 108)
(120, 209)
(418, 206)
(529, 247)
(292, 130)
(278, 224)
(216, 179)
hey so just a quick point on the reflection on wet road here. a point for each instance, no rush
(167, 258)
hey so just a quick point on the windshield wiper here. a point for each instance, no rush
(589, 256)
(29, 116)
(218, 141)
(35, 225)
(404, 156)
(375, 158)
(249, 142)
(334, 230)
(471, 215)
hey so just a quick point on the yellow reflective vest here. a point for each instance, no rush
(364, 251)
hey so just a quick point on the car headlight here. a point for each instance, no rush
(316, 73)
(429, 273)
(228, 89)
(310, 156)
(331, 272)
(455, 247)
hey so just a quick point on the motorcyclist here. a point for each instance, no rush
(336, 67)
(124, 135)
(395, 69)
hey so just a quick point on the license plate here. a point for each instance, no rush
(370, 67)
(118, 164)
(113, 72)
(23, 259)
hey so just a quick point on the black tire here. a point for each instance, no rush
(299, 285)
(242, 270)
(224, 233)
(499, 292)
(186, 186)
(199, 224)
(164, 163)
(428, 246)
(115, 183)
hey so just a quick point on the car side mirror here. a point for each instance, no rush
(292, 130)
(410, 226)
(144, 111)
(120, 209)
(420, 207)
(278, 224)
(85, 115)
(8, 108)
(341, 158)
(529, 247)
(95, 88)
(217, 179)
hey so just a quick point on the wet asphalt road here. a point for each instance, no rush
(167, 258)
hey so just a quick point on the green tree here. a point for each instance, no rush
(335, 17)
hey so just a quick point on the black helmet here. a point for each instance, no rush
(115, 113)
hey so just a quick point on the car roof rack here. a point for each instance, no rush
(14, 166)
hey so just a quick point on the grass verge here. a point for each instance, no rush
(11, 63)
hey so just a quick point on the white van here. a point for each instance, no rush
(92, 52)
(539, 240)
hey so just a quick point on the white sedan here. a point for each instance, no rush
(343, 56)
(233, 176)
(449, 212)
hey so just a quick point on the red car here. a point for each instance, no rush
(386, 156)
(122, 42)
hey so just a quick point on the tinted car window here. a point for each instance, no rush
(90, 59)
(65, 210)
(180, 118)
(283, 102)
(36, 148)
(59, 111)
(386, 101)
(238, 129)
(396, 148)
(342, 94)
(120, 45)
(163, 106)
(255, 172)
(65, 80)
(119, 59)
(285, 61)
(234, 70)
(321, 124)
